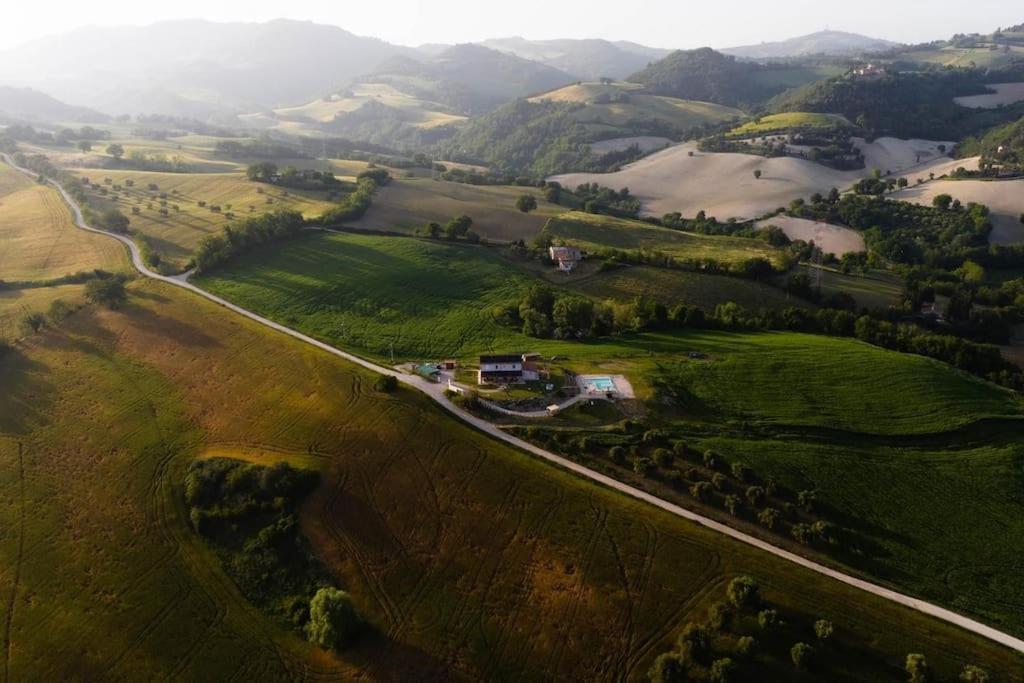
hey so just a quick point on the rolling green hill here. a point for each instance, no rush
(902, 104)
(448, 542)
(711, 76)
(622, 109)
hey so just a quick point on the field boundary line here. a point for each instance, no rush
(436, 393)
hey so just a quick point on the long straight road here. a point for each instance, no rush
(436, 392)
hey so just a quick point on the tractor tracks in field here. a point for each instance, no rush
(13, 597)
(436, 393)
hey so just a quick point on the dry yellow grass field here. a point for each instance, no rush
(410, 203)
(16, 303)
(39, 241)
(175, 235)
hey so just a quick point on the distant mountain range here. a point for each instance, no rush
(26, 104)
(586, 59)
(832, 43)
(217, 71)
(194, 68)
(469, 79)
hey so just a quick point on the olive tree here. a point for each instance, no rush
(333, 620)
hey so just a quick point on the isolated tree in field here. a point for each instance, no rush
(902, 182)
(973, 674)
(386, 384)
(32, 322)
(824, 629)
(743, 592)
(526, 203)
(333, 620)
(801, 654)
(458, 227)
(85, 145)
(757, 174)
(109, 292)
(115, 150)
(917, 669)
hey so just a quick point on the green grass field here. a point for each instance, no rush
(595, 231)
(876, 289)
(635, 105)
(793, 76)
(408, 204)
(800, 392)
(981, 57)
(39, 241)
(175, 235)
(427, 298)
(774, 123)
(468, 559)
(807, 380)
(671, 287)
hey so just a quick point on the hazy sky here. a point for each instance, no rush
(662, 23)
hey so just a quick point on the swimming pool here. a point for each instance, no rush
(603, 383)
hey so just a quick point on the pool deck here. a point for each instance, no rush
(590, 384)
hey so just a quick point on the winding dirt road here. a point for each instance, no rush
(436, 392)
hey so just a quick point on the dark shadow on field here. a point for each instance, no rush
(390, 660)
(174, 329)
(147, 295)
(26, 399)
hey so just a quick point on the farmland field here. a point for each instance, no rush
(468, 559)
(408, 204)
(175, 235)
(38, 241)
(420, 113)
(595, 231)
(778, 122)
(634, 105)
(676, 286)
(16, 303)
(889, 414)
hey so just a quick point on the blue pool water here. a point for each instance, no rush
(603, 383)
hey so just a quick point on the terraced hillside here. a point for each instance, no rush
(469, 560)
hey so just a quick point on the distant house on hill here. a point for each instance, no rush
(567, 257)
(506, 369)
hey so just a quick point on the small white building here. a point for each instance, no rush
(567, 257)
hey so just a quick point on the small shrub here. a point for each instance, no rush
(740, 471)
(917, 669)
(386, 384)
(824, 629)
(617, 454)
(767, 619)
(723, 670)
(709, 460)
(643, 466)
(662, 457)
(744, 592)
(802, 654)
(701, 490)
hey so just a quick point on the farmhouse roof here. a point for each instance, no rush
(507, 358)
